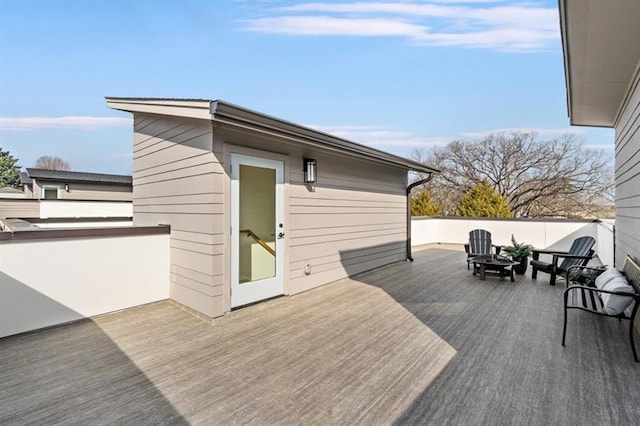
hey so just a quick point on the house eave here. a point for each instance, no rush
(601, 51)
(230, 115)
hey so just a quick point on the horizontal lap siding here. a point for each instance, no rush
(354, 221)
(99, 192)
(19, 209)
(178, 181)
(83, 191)
(627, 171)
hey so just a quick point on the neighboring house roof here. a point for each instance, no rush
(601, 45)
(25, 179)
(227, 114)
(63, 175)
(9, 190)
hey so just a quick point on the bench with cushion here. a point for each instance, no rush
(615, 294)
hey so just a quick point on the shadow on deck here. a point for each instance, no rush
(422, 342)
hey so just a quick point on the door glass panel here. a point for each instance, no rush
(257, 257)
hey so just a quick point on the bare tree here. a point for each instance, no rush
(52, 163)
(538, 178)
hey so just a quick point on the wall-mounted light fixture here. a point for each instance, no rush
(310, 166)
(66, 187)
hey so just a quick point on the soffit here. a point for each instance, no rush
(601, 42)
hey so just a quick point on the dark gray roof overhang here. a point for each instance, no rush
(228, 114)
(601, 46)
(63, 175)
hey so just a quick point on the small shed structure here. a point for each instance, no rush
(258, 206)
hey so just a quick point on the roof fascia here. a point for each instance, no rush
(188, 108)
(228, 114)
(565, 54)
(224, 113)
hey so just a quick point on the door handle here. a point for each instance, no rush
(281, 235)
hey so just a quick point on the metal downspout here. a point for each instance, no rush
(409, 188)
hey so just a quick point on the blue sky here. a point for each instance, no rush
(392, 75)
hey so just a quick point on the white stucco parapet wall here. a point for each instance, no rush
(47, 281)
(58, 208)
(550, 234)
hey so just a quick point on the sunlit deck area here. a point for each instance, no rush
(410, 343)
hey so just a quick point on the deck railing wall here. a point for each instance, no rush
(552, 234)
(32, 208)
(50, 277)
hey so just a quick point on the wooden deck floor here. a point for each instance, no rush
(410, 343)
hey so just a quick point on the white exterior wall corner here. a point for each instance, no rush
(627, 173)
(177, 180)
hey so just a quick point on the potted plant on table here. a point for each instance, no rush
(518, 252)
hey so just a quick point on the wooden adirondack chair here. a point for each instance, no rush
(579, 254)
(479, 244)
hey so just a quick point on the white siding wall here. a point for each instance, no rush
(627, 169)
(177, 180)
(86, 191)
(354, 221)
(22, 209)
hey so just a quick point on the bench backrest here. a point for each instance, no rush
(631, 271)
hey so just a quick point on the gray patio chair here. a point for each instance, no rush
(479, 244)
(579, 254)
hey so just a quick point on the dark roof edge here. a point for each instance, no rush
(46, 234)
(240, 115)
(25, 179)
(509, 219)
(565, 54)
(34, 173)
(234, 115)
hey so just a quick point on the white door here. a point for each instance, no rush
(257, 229)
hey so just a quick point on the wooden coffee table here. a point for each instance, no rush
(493, 265)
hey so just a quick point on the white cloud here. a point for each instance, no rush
(376, 136)
(382, 137)
(539, 130)
(52, 123)
(603, 147)
(325, 25)
(505, 27)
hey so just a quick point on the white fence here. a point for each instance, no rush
(58, 208)
(28, 208)
(543, 234)
(53, 280)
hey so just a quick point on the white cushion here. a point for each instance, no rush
(613, 303)
(606, 276)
